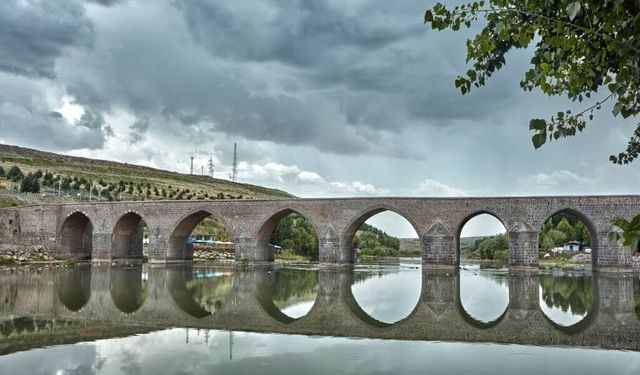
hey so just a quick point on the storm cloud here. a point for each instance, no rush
(346, 98)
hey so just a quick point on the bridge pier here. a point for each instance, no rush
(439, 293)
(523, 250)
(608, 256)
(438, 248)
(524, 293)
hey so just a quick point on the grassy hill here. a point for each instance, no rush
(115, 181)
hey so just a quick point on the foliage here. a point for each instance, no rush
(15, 174)
(215, 227)
(69, 263)
(573, 294)
(492, 248)
(293, 284)
(581, 47)
(375, 242)
(9, 202)
(30, 184)
(7, 262)
(294, 232)
(561, 228)
(630, 232)
(2, 172)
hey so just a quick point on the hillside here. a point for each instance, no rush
(112, 180)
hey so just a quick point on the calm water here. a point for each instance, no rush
(288, 320)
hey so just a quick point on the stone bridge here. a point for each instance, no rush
(115, 294)
(112, 231)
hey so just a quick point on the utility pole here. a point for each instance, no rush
(90, 190)
(202, 171)
(234, 172)
(191, 165)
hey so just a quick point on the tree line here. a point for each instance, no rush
(295, 233)
(372, 241)
(33, 182)
(556, 231)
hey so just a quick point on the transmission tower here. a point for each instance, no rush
(210, 165)
(234, 172)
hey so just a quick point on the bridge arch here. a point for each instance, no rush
(264, 252)
(76, 236)
(127, 236)
(469, 217)
(587, 221)
(347, 251)
(177, 247)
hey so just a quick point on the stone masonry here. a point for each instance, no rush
(111, 232)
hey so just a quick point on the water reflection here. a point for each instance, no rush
(74, 287)
(128, 288)
(199, 292)
(294, 291)
(210, 287)
(385, 302)
(566, 299)
(387, 294)
(484, 294)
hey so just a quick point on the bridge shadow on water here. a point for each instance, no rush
(542, 309)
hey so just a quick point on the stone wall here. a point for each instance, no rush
(437, 221)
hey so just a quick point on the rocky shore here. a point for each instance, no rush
(21, 254)
(14, 254)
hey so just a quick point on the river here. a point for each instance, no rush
(374, 319)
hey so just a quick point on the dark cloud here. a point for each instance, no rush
(302, 33)
(138, 128)
(106, 2)
(33, 34)
(328, 75)
(26, 119)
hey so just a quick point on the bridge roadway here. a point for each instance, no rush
(112, 232)
(115, 294)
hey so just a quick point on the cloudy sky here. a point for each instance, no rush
(323, 97)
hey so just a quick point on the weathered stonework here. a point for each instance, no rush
(108, 294)
(111, 231)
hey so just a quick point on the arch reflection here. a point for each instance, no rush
(294, 291)
(74, 287)
(387, 294)
(568, 301)
(483, 296)
(128, 288)
(199, 291)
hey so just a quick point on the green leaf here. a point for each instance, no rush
(573, 9)
(538, 124)
(539, 139)
(616, 109)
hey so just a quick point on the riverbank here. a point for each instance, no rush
(14, 255)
